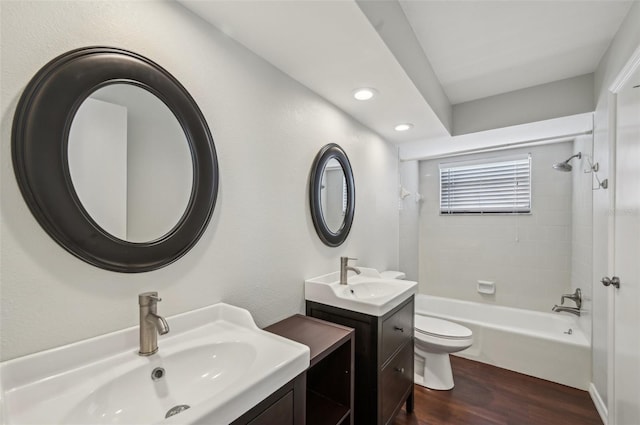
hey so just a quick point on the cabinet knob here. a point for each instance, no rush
(398, 328)
(399, 369)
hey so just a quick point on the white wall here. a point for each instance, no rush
(97, 155)
(552, 100)
(260, 244)
(582, 228)
(159, 169)
(333, 195)
(527, 256)
(627, 39)
(158, 189)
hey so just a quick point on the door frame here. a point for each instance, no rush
(632, 64)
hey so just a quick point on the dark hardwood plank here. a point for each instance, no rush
(488, 395)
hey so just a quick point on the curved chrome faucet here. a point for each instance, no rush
(151, 324)
(344, 269)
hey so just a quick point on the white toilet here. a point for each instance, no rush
(434, 340)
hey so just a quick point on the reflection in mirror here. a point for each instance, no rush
(333, 196)
(130, 163)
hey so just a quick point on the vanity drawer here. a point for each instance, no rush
(396, 382)
(396, 330)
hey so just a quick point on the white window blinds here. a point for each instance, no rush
(498, 186)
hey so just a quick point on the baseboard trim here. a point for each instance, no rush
(600, 406)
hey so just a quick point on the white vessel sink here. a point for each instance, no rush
(368, 292)
(215, 360)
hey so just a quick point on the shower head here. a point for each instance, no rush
(562, 166)
(565, 166)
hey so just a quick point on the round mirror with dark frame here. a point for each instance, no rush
(115, 159)
(332, 195)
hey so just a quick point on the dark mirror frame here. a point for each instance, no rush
(328, 152)
(39, 148)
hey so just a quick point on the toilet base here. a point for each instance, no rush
(436, 371)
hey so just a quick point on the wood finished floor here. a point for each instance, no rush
(487, 395)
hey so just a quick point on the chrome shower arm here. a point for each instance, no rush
(578, 155)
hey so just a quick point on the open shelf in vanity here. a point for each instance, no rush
(330, 377)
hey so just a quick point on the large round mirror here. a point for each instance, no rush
(332, 195)
(115, 159)
(130, 163)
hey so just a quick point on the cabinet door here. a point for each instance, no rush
(279, 413)
(396, 382)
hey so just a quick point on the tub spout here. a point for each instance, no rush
(572, 310)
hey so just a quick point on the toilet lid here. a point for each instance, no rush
(440, 328)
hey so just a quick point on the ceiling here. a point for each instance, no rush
(428, 56)
(483, 48)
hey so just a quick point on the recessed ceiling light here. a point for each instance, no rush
(364, 93)
(403, 127)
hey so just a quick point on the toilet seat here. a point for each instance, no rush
(439, 328)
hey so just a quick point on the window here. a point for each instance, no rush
(490, 187)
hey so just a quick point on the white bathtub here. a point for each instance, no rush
(529, 342)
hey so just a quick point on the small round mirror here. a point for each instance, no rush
(130, 163)
(332, 195)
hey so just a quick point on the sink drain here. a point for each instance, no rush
(176, 409)
(157, 373)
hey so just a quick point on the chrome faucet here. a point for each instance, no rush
(151, 324)
(576, 297)
(344, 269)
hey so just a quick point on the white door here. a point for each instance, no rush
(626, 392)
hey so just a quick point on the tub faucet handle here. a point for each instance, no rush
(576, 297)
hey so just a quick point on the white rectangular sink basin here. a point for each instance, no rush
(367, 293)
(215, 360)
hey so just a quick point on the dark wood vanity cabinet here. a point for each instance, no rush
(383, 356)
(330, 377)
